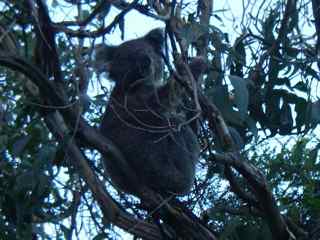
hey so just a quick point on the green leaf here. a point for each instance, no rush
(302, 86)
(214, 169)
(54, 3)
(252, 125)
(241, 94)
(286, 120)
(25, 182)
(66, 231)
(20, 145)
(84, 14)
(3, 141)
(101, 236)
(220, 97)
(315, 112)
(46, 155)
(301, 111)
(239, 48)
(312, 158)
(292, 52)
(311, 72)
(192, 32)
(270, 23)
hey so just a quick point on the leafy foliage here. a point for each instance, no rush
(263, 76)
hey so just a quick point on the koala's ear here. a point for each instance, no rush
(104, 53)
(156, 38)
(103, 56)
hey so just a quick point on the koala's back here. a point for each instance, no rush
(163, 156)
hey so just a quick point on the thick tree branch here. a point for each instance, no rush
(258, 183)
(50, 64)
(238, 189)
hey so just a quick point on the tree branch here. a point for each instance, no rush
(100, 32)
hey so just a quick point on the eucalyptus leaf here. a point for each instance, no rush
(192, 32)
(20, 144)
(286, 119)
(315, 112)
(54, 3)
(252, 125)
(220, 97)
(302, 86)
(241, 94)
(101, 236)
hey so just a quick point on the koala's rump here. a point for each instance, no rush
(163, 157)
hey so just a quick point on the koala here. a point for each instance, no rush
(155, 140)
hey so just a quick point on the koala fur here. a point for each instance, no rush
(154, 139)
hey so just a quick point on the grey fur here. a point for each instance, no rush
(154, 140)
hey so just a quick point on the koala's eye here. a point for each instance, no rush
(143, 66)
(144, 61)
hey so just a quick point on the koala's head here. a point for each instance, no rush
(136, 61)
